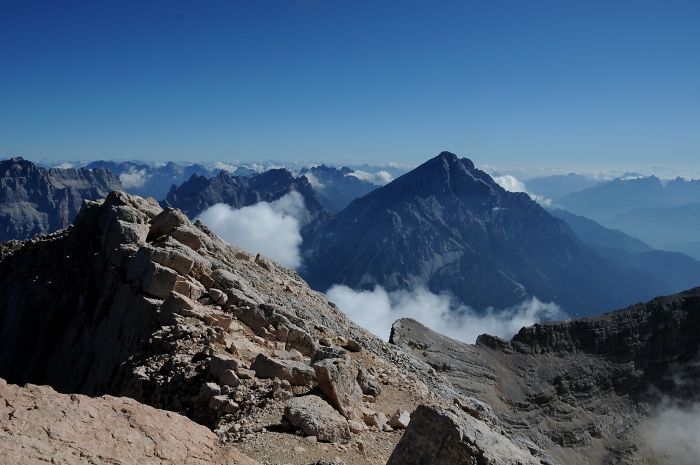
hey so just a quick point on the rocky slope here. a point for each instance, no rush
(199, 193)
(577, 390)
(35, 200)
(448, 226)
(137, 301)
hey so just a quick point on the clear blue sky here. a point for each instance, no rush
(602, 84)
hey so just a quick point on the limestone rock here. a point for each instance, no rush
(297, 373)
(316, 418)
(400, 420)
(439, 437)
(39, 425)
(337, 380)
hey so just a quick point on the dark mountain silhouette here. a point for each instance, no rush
(448, 226)
(36, 200)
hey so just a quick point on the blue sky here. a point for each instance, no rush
(522, 84)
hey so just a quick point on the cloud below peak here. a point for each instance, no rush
(377, 310)
(268, 228)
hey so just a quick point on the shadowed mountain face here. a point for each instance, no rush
(199, 193)
(448, 226)
(336, 187)
(36, 200)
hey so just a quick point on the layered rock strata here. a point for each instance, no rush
(573, 391)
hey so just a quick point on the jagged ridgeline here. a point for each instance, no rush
(36, 200)
(137, 301)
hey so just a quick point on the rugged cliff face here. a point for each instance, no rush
(577, 389)
(35, 200)
(448, 226)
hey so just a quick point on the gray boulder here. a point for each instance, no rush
(316, 418)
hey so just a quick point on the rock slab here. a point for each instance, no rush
(39, 426)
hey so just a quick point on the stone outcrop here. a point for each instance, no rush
(440, 437)
(316, 418)
(296, 373)
(337, 380)
(36, 200)
(39, 425)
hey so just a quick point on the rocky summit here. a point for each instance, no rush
(192, 350)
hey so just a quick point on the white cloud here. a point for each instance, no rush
(65, 165)
(313, 180)
(268, 228)
(674, 434)
(380, 178)
(377, 310)
(133, 178)
(511, 184)
(219, 166)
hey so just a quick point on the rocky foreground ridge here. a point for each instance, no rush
(136, 301)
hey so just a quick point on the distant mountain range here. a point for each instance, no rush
(147, 180)
(36, 200)
(448, 226)
(557, 186)
(669, 228)
(664, 216)
(678, 270)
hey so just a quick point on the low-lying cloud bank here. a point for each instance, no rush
(377, 310)
(673, 433)
(268, 228)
